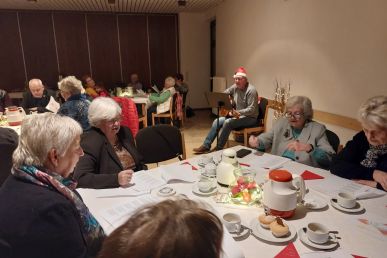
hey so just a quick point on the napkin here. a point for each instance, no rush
(307, 175)
(187, 163)
(358, 256)
(288, 251)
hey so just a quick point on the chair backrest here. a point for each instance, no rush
(333, 140)
(160, 142)
(8, 143)
(262, 105)
(129, 115)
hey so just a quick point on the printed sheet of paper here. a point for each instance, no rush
(177, 173)
(145, 181)
(119, 192)
(53, 106)
(268, 161)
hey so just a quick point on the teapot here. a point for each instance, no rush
(282, 192)
(225, 170)
(15, 115)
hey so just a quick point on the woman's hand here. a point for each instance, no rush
(124, 177)
(369, 183)
(253, 141)
(298, 146)
(380, 177)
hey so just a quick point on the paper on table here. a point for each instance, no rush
(115, 213)
(119, 192)
(53, 106)
(332, 185)
(174, 173)
(145, 181)
(268, 161)
(338, 253)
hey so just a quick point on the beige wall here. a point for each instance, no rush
(194, 30)
(334, 51)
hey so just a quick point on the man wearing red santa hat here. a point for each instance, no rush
(245, 113)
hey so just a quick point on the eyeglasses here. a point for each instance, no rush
(115, 120)
(296, 115)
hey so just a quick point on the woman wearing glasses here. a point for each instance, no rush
(110, 152)
(296, 136)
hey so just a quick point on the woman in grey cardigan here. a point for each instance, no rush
(296, 136)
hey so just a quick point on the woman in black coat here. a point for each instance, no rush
(110, 152)
(364, 158)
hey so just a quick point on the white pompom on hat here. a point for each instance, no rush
(240, 72)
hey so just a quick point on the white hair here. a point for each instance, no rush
(35, 82)
(170, 81)
(374, 112)
(71, 85)
(41, 133)
(103, 108)
(304, 102)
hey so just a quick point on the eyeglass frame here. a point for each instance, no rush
(296, 115)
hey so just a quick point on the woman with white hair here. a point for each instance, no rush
(161, 101)
(297, 136)
(76, 105)
(364, 158)
(40, 213)
(110, 152)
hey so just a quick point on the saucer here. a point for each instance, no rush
(313, 202)
(166, 191)
(208, 175)
(243, 234)
(195, 190)
(332, 243)
(358, 207)
(266, 235)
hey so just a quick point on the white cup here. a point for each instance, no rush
(232, 222)
(318, 233)
(205, 185)
(210, 169)
(346, 200)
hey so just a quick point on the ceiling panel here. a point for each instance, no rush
(127, 6)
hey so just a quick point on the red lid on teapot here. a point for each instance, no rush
(280, 175)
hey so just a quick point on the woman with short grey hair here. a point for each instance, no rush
(297, 136)
(364, 158)
(110, 151)
(39, 196)
(76, 105)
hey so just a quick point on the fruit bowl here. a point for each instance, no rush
(245, 191)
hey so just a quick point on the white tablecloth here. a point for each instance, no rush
(356, 237)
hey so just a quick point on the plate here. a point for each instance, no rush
(195, 190)
(355, 209)
(313, 202)
(332, 243)
(265, 234)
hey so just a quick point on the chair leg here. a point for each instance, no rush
(153, 119)
(245, 138)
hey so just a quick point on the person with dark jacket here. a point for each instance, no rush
(364, 158)
(41, 216)
(110, 152)
(8, 143)
(37, 98)
(5, 100)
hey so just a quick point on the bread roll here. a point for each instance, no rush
(279, 228)
(265, 220)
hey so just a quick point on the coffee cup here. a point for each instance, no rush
(210, 169)
(232, 222)
(318, 233)
(346, 200)
(204, 160)
(205, 185)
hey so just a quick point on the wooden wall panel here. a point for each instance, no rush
(39, 47)
(71, 41)
(134, 47)
(163, 47)
(11, 58)
(103, 44)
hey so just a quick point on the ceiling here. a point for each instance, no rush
(128, 6)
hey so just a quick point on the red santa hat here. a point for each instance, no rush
(240, 72)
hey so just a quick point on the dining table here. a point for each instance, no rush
(362, 233)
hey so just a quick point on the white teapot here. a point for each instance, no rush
(225, 170)
(15, 115)
(282, 192)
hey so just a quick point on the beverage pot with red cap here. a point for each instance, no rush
(282, 192)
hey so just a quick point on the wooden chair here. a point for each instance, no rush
(168, 114)
(143, 118)
(263, 106)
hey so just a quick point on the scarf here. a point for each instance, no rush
(373, 154)
(91, 229)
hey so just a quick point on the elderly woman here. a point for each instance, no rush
(364, 158)
(40, 214)
(110, 152)
(90, 85)
(296, 136)
(173, 228)
(161, 101)
(76, 105)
